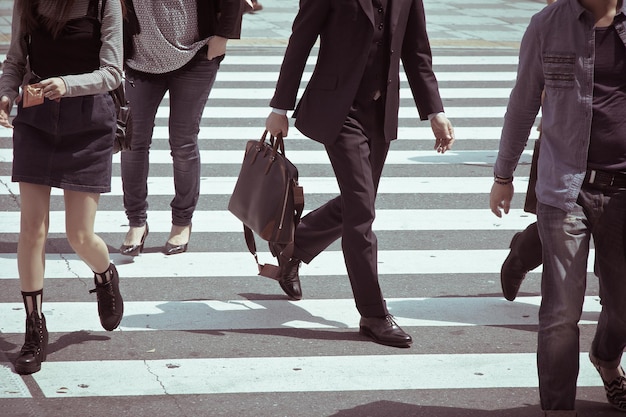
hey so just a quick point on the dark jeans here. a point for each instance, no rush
(189, 89)
(601, 214)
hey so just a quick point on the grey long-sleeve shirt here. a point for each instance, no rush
(557, 54)
(105, 78)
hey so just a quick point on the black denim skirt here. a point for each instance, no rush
(66, 144)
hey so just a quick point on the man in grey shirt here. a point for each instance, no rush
(575, 50)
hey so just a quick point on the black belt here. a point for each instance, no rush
(605, 178)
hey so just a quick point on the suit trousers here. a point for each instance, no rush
(357, 157)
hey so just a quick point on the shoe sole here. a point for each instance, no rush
(113, 327)
(27, 370)
(35, 367)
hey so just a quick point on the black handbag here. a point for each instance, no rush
(267, 198)
(123, 133)
(530, 202)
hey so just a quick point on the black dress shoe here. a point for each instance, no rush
(513, 272)
(525, 256)
(289, 279)
(134, 250)
(385, 331)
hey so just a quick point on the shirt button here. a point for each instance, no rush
(380, 10)
(380, 27)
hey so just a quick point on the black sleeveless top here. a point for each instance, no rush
(75, 50)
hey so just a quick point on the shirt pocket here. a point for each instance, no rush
(558, 69)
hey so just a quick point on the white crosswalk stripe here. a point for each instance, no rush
(320, 157)
(234, 264)
(451, 192)
(309, 374)
(224, 221)
(336, 313)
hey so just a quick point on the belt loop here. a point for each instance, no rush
(592, 176)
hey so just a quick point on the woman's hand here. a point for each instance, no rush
(217, 47)
(53, 88)
(5, 105)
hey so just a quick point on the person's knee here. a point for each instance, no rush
(77, 238)
(33, 237)
(185, 152)
(33, 233)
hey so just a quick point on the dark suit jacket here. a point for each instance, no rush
(221, 18)
(346, 29)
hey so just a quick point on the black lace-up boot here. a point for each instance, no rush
(110, 303)
(33, 352)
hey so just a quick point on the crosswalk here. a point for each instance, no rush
(203, 323)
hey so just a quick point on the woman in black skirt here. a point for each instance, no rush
(66, 55)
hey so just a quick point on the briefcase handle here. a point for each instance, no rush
(276, 142)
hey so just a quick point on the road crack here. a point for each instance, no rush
(163, 387)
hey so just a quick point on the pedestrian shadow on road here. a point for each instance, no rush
(279, 317)
(475, 311)
(74, 338)
(53, 245)
(254, 314)
(392, 408)
(6, 346)
(465, 157)
(68, 339)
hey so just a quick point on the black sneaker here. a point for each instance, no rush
(616, 389)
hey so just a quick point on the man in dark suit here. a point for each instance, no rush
(351, 106)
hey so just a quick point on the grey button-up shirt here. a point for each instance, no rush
(557, 54)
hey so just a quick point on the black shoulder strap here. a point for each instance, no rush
(92, 9)
(265, 270)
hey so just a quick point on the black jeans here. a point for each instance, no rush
(189, 89)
